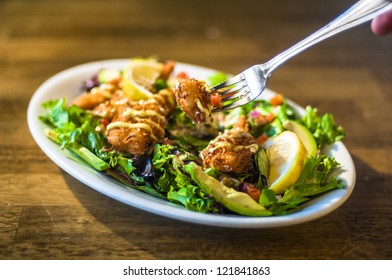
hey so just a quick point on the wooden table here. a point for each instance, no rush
(47, 214)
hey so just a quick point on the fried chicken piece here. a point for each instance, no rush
(88, 100)
(232, 151)
(194, 98)
(112, 107)
(130, 135)
(168, 67)
(141, 125)
(97, 95)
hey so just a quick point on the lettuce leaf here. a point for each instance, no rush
(281, 113)
(323, 128)
(75, 129)
(315, 179)
(172, 179)
(216, 78)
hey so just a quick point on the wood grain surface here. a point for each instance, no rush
(47, 214)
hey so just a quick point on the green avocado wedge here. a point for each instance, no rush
(233, 200)
(106, 75)
(304, 135)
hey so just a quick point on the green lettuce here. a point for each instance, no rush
(216, 78)
(316, 179)
(323, 128)
(76, 130)
(177, 183)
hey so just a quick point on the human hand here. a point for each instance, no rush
(382, 24)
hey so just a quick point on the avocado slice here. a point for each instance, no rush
(106, 75)
(262, 165)
(304, 135)
(233, 200)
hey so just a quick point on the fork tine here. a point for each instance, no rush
(242, 92)
(233, 90)
(241, 100)
(228, 83)
(240, 89)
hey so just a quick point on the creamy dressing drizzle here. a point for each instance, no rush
(142, 118)
(143, 113)
(253, 147)
(132, 125)
(203, 109)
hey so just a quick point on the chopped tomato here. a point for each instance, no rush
(104, 122)
(270, 117)
(262, 138)
(182, 75)
(277, 100)
(216, 100)
(251, 190)
(260, 120)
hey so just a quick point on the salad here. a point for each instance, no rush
(261, 159)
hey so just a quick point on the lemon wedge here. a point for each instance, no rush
(286, 155)
(139, 77)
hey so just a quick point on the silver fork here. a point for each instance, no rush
(249, 84)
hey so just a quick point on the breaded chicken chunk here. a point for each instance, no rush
(141, 125)
(193, 96)
(231, 152)
(97, 95)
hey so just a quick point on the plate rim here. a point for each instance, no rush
(137, 199)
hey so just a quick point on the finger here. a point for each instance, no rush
(382, 24)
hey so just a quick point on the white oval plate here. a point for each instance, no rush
(67, 84)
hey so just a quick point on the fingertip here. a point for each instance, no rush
(382, 24)
(376, 27)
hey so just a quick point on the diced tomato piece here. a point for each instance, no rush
(182, 75)
(104, 122)
(216, 100)
(262, 138)
(251, 190)
(277, 100)
(270, 117)
(260, 120)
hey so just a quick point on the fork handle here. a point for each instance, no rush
(360, 12)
